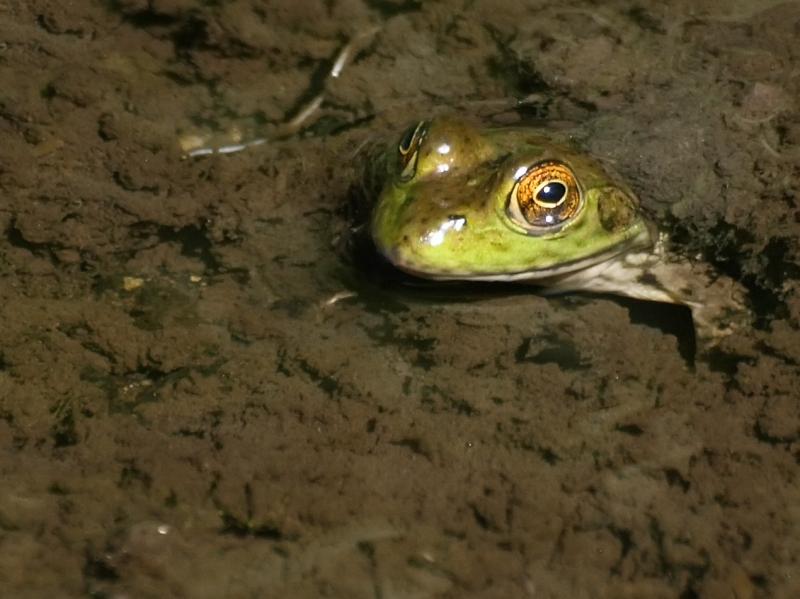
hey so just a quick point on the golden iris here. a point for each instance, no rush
(546, 196)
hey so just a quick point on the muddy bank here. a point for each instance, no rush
(206, 391)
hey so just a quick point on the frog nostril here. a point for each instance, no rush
(457, 221)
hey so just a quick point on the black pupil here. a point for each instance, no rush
(552, 192)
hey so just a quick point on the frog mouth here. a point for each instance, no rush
(548, 277)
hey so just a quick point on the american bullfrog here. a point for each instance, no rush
(511, 204)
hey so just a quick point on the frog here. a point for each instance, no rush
(460, 201)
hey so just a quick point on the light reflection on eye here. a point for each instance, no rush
(443, 149)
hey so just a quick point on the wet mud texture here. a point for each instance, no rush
(207, 391)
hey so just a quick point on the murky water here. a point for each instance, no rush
(209, 386)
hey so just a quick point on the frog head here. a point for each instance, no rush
(461, 202)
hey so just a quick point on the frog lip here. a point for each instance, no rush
(640, 241)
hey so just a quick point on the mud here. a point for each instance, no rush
(207, 389)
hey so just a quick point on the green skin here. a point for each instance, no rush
(447, 215)
(413, 227)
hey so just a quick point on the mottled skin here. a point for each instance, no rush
(447, 211)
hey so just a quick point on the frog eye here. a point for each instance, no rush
(408, 150)
(545, 197)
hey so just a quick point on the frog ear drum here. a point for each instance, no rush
(544, 198)
(408, 150)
